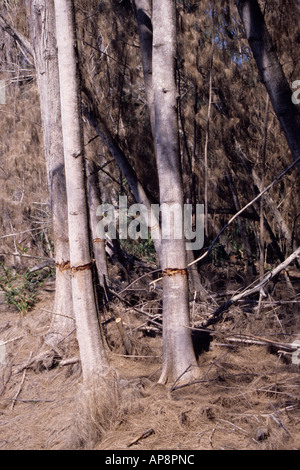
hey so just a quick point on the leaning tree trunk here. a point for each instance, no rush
(41, 22)
(94, 199)
(126, 169)
(91, 346)
(271, 72)
(144, 23)
(178, 352)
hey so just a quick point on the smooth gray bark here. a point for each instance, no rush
(92, 353)
(178, 353)
(41, 22)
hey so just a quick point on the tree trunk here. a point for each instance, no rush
(144, 22)
(92, 351)
(127, 170)
(242, 225)
(41, 21)
(98, 243)
(178, 352)
(262, 199)
(206, 144)
(271, 72)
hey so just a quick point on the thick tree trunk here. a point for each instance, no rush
(41, 21)
(178, 352)
(271, 72)
(92, 351)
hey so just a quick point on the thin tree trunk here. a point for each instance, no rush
(241, 224)
(207, 143)
(92, 353)
(271, 72)
(98, 243)
(272, 206)
(178, 352)
(41, 21)
(127, 170)
(144, 22)
(262, 200)
(17, 36)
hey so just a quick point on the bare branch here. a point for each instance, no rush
(16, 35)
(258, 288)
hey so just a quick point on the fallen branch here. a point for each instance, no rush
(21, 385)
(33, 400)
(144, 435)
(19, 233)
(68, 362)
(56, 313)
(39, 358)
(45, 264)
(2, 343)
(25, 256)
(258, 288)
(251, 339)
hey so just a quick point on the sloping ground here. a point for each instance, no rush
(248, 396)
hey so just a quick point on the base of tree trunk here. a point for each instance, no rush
(179, 359)
(63, 320)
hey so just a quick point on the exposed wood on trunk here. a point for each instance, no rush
(92, 352)
(178, 353)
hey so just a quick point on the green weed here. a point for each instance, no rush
(21, 290)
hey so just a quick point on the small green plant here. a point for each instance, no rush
(21, 290)
(143, 249)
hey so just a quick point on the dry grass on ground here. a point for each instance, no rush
(248, 396)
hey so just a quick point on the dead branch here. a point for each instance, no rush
(45, 264)
(25, 256)
(144, 435)
(258, 288)
(251, 339)
(56, 313)
(16, 35)
(33, 400)
(21, 385)
(11, 340)
(278, 178)
(125, 338)
(68, 362)
(39, 358)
